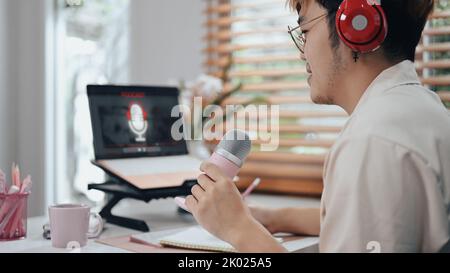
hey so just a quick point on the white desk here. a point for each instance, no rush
(160, 215)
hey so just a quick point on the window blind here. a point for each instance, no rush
(246, 42)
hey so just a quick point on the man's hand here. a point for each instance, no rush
(301, 221)
(266, 216)
(217, 204)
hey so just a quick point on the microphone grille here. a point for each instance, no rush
(236, 142)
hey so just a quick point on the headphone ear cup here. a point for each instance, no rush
(362, 27)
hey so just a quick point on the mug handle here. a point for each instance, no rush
(98, 229)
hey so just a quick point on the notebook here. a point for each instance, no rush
(195, 238)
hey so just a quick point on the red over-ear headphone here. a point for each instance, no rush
(361, 25)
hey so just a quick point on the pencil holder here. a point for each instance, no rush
(13, 216)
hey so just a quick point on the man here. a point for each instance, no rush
(387, 177)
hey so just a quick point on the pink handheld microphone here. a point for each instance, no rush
(229, 156)
(231, 152)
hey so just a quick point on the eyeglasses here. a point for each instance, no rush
(299, 36)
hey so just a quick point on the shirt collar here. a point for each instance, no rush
(403, 73)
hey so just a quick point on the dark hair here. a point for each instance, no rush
(406, 20)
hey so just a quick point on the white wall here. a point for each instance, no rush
(32, 97)
(166, 40)
(23, 93)
(7, 94)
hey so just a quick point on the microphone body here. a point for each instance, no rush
(229, 156)
(231, 152)
(229, 168)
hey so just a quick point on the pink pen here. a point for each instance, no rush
(251, 188)
(18, 183)
(26, 185)
(14, 175)
(2, 182)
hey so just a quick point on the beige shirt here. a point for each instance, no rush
(387, 178)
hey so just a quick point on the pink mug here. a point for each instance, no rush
(69, 225)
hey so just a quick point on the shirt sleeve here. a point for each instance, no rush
(381, 196)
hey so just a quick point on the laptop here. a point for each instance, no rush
(131, 128)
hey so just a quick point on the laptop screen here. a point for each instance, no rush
(133, 121)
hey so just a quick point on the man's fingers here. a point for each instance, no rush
(212, 171)
(191, 203)
(197, 192)
(205, 182)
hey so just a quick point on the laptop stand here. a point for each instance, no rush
(118, 190)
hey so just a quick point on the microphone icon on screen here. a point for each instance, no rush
(137, 121)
